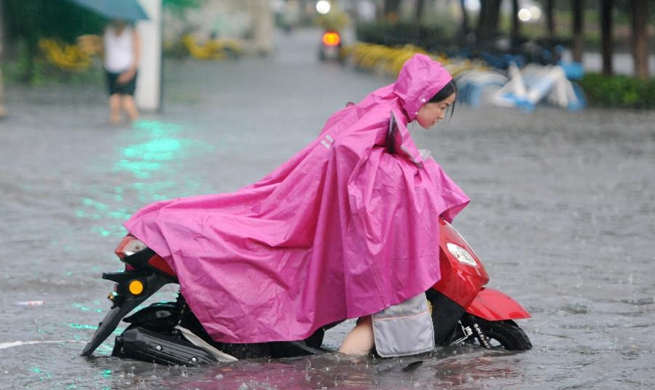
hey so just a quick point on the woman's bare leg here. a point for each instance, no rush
(115, 108)
(360, 340)
(130, 107)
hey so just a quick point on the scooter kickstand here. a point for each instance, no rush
(467, 333)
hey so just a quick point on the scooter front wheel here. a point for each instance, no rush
(497, 334)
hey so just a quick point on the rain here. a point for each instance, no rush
(561, 214)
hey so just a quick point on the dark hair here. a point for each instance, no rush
(445, 92)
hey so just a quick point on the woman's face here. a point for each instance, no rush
(118, 23)
(431, 113)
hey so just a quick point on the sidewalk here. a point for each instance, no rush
(623, 63)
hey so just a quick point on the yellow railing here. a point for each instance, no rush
(389, 60)
(212, 49)
(66, 56)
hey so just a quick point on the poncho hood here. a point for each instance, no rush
(418, 81)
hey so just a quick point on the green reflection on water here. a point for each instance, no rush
(42, 374)
(85, 308)
(156, 158)
(83, 326)
(77, 326)
(105, 232)
(161, 146)
(95, 204)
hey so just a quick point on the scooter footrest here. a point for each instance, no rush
(142, 344)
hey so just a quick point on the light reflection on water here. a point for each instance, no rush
(152, 166)
(446, 368)
(152, 154)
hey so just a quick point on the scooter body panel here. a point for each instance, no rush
(493, 305)
(461, 279)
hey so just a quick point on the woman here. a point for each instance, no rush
(412, 316)
(122, 50)
(346, 228)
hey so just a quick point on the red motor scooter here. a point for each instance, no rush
(463, 311)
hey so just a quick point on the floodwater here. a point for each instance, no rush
(562, 214)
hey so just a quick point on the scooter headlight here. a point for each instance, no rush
(461, 254)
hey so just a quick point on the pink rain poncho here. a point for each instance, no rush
(341, 230)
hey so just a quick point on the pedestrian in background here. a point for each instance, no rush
(121, 47)
(122, 50)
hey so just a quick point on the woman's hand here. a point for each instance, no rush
(91, 44)
(126, 76)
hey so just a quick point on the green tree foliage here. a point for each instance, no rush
(27, 21)
(34, 19)
(618, 91)
(432, 38)
(61, 18)
(335, 20)
(179, 6)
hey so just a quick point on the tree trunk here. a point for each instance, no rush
(392, 9)
(495, 17)
(2, 28)
(465, 28)
(550, 26)
(606, 36)
(262, 26)
(488, 22)
(640, 37)
(482, 34)
(516, 24)
(578, 30)
(31, 42)
(3, 111)
(420, 7)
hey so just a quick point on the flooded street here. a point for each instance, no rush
(562, 214)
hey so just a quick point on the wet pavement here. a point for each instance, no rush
(562, 215)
